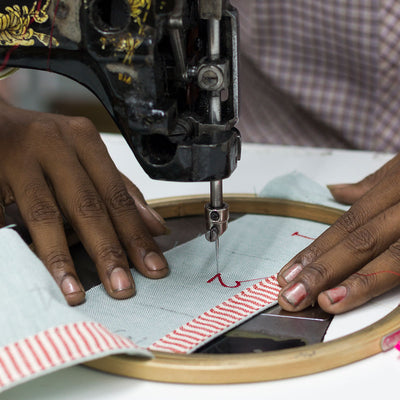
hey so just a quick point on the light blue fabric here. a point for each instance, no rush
(253, 247)
(30, 300)
(297, 186)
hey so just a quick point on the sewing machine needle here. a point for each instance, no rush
(217, 253)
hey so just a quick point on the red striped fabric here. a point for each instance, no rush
(220, 318)
(66, 343)
(54, 347)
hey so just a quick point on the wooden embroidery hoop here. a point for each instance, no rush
(234, 368)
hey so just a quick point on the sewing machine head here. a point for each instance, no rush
(166, 71)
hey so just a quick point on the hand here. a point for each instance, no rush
(56, 167)
(358, 257)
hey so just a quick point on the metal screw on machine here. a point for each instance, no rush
(216, 221)
(211, 77)
(214, 215)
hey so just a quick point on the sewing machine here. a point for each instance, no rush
(165, 70)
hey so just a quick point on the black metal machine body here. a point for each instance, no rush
(149, 63)
(166, 71)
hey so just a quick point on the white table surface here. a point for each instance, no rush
(367, 379)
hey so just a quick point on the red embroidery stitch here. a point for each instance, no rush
(237, 283)
(218, 276)
(305, 237)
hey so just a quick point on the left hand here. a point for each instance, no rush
(57, 168)
(358, 257)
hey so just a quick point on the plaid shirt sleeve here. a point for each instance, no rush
(321, 73)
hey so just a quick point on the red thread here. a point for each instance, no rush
(237, 283)
(13, 48)
(51, 34)
(218, 318)
(397, 347)
(7, 57)
(218, 276)
(305, 237)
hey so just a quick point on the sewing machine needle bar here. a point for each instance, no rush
(216, 194)
(217, 253)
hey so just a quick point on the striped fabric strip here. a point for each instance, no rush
(54, 347)
(220, 318)
(63, 344)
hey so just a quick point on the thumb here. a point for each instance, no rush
(349, 193)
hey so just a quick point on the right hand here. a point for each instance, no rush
(56, 167)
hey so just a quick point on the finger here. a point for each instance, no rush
(376, 278)
(383, 195)
(154, 221)
(86, 212)
(137, 240)
(350, 193)
(347, 257)
(96, 160)
(43, 219)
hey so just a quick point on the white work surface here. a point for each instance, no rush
(367, 379)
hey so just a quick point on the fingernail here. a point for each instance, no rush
(154, 262)
(157, 216)
(336, 294)
(69, 285)
(119, 280)
(295, 294)
(292, 272)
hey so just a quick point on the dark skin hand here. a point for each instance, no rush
(358, 257)
(56, 167)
